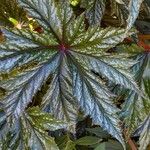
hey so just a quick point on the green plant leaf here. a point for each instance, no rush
(70, 146)
(19, 54)
(98, 131)
(119, 11)
(48, 15)
(29, 131)
(66, 57)
(45, 120)
(134, 7)
(131, 48)
(65, 143)
(96, 11)
(109, 68)
(136, 107)
(87, 140)
(60, 94)
(3, 123)
(97, 39)
(144, 132)
(113, 145)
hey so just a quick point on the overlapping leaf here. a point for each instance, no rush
(3, 123)
(125, 12)
(96, 11)
(135, 107)
(119, 11)
(66, 55)
(144, 132)
(65, 143)
(110, 144)
(29, 132)
(134, 7)
(99, 132)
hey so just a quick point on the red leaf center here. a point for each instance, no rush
(63, 48)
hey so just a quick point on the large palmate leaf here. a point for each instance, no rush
(68, 57)
(29, 131)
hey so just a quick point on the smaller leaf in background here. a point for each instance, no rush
(145, 100)
(87, 140)
(70, 145)
(144, 132)
(3, 124)
(95, 11)
(148, 2)
(136, 108)
(129, 48)
(85, 4)
(143, 26)
(42, 121)
(118, 13)
(110, 145)
(30, 131)
(45, 120)
(147, 8)
(134, 7)
(98, 131)
(65, 143)
(2, 92)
